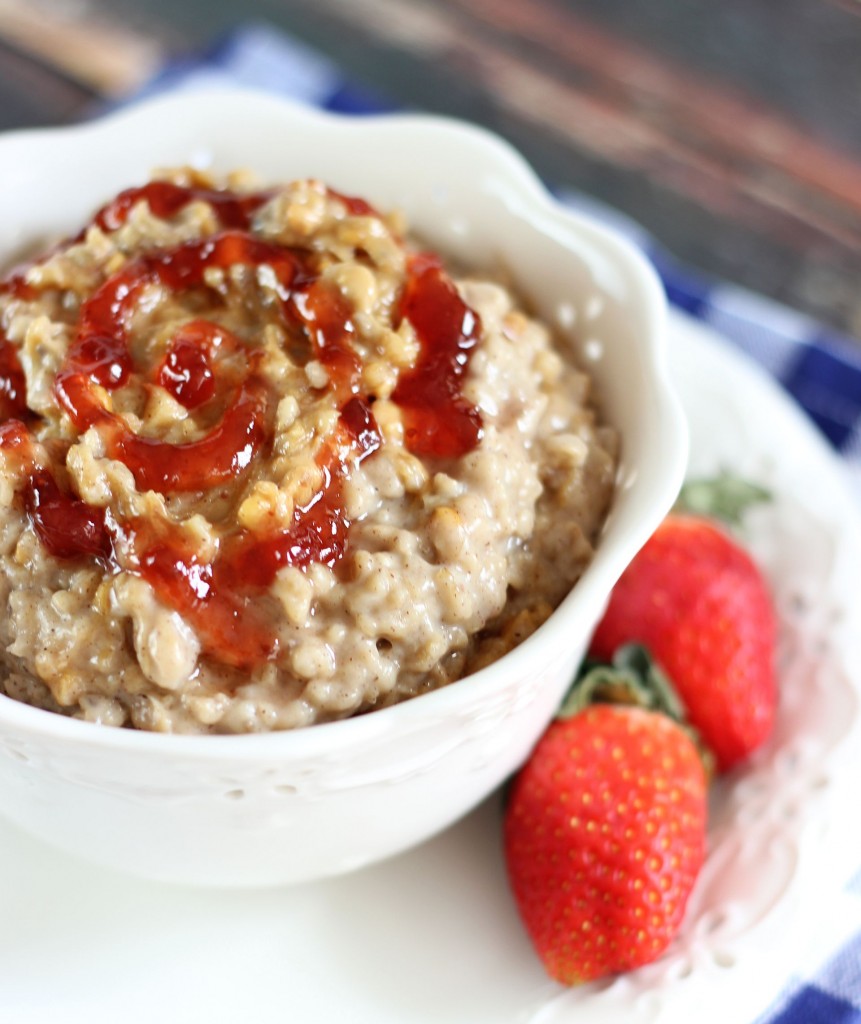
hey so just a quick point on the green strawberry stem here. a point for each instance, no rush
(634, 678)
(724, 497)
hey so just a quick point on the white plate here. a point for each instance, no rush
(431, 937)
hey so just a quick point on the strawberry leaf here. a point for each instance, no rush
(724, 497)
(633, 677)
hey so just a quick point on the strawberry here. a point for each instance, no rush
(604, 836)
(694, 597)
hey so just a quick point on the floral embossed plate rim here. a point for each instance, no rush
(431, 937)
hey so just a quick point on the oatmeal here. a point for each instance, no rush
(265, 463)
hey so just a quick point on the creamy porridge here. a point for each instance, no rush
(265, 464)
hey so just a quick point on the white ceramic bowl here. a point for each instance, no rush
(268, 809)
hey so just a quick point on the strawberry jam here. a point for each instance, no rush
(223, 382)
(438, 420)
(67, 526)
(186, 372)
(166, 200)
(221, 599)
(13, 386)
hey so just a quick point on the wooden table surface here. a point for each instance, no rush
(731, 130)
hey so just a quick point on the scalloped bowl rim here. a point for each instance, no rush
(612, 553)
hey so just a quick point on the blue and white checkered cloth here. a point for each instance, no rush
(831, 995)
(820, 369)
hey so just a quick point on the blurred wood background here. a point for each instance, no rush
(731, 130)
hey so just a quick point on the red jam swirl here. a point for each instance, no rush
(355, 206)
(15, 284)
(221, 599)
(166, 200)
(186, 372)
(13, 385)
(233, 210)
(100, 358)
(66, 526)
(437, 418)
(206, 368)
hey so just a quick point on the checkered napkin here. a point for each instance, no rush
(821, 370)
